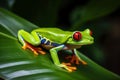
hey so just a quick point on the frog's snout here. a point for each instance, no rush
(91, 40)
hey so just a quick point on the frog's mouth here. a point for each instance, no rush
(81, 42)
(70, 46)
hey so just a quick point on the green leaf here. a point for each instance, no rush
(19, 64)
(93, 10)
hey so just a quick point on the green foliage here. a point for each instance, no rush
(19, 64)
(93, 10)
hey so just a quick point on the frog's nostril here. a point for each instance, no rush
(91, 39)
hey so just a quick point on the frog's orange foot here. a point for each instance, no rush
(75, 60)
(34, 49)
(68, 67)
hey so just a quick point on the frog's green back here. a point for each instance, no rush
(55, 34)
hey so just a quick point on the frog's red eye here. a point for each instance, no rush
(77, 36)
(91, 33)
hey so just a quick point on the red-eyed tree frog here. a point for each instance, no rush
(54, 40)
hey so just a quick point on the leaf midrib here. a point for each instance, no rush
(8, 36)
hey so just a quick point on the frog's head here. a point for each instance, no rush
(81, 38)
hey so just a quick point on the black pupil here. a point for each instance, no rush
(78, 36)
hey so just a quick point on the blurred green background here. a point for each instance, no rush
(102, 17)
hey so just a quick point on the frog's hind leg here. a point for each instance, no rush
(75, 58)
(29, 41)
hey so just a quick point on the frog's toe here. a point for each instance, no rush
(24, 47)
(84, 63)
(35, 53)
(42, 52)
(68, 67)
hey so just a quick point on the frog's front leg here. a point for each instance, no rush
(56, 61)
(30, 41)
